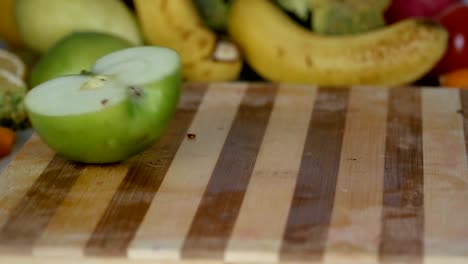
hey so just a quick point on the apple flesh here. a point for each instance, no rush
(113, 112)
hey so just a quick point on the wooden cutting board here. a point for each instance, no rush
(258, 173)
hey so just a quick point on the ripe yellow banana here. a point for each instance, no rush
(177, 25)
(281, 50)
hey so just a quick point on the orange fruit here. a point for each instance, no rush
(12, 63)
(455, 79)
(7, 141)
(8, 29)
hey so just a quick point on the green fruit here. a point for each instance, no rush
(300, 8)
(214, 13)
(113, 112)
(43, 23)
(74, 53)
(12, 110)
(341, 17)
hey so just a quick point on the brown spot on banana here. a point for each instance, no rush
(280, 52)
(163, 5)
(186, 34)
(308, 61)
(202, 43)
(206, 73)
(189, 65)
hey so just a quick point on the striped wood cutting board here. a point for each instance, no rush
(258, 173)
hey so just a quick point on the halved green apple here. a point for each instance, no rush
(113, 112)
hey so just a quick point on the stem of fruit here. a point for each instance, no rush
(94, 82)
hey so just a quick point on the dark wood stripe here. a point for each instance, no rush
(221, 202)
(128, 206)
(403, 212)
(310, 214)
(30, 217)
(464, 113)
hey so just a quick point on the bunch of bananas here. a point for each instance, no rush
(281, 50)
(178, 25)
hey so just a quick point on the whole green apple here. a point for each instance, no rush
(42, 23)
(113, 112)
(74, 53)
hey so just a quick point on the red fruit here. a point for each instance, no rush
(455, 20)
(402, 9)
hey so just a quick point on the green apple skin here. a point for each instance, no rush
(98, 138)
(43, 23)
(74, 53)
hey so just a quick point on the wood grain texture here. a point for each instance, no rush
(356, 217)
(73, 223)
(161, 235)
(310, 213)
(259, 228)
(21, 174)
(258, 173)
(16, 259)
(128, 206)
(215, 217)
(39, 203)
(403, 197)
(445, 175)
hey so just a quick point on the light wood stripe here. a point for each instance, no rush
(78, 215)
(161, 234)
(258, 232)
(218, 210)
(445, 176)
(127, 208)
(21, 174)
(356, 218)
(403, 198)
(30, 217)
(310, 213)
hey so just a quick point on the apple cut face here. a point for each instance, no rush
(113, 112)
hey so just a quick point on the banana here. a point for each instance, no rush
(176, 24)
(282, 51)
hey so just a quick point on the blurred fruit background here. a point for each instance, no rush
(321, 42)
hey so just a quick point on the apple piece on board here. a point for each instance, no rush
(118, 109)
(74, 53)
